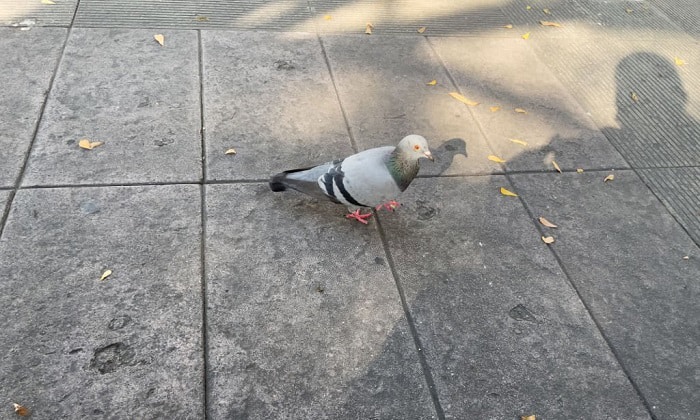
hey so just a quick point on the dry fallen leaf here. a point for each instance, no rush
(495, 108)
(462, 99)
(106, 274)
(546, 11)
(159, 38)
(432, 83)
(548, 23)
(528, 7)
(327, 17)
(421, 29)
(546, 222)
(368, 28)
(529, 417)
(518, 141)
(230, 152)
(548, 239)
(629, 10)
(687, 257)
(579, 170)
(508, 26)
(525, 35)
(89, 145)
(520, 111)
(200, 18)
(495, 158)
(634, 96)
(20, 410)
(48, 2)
(508, 193)
(609, 178)
(679, 62)
(556, 166)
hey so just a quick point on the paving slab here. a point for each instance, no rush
(4, 196)
(684, 13)
(27, 14)
(629, 19)
(505, 73)
(679, 190)
(382, 84)
(303, 317)
(270, 97)
(28, 60)
(503, 332)
(278, 15)
(660, 126)
(407, 16)
(122, 88)
(625, 255)
(129, 346)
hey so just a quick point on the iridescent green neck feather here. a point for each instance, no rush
(403, 170)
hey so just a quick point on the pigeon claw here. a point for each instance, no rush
(358, 216)
(391, 205)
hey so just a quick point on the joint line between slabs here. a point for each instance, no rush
(425, 367)
(35, 132)
(353, 143)
(203, 230)
(597, 324)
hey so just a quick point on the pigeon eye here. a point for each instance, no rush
(416, 147)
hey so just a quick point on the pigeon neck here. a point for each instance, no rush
(402, 169)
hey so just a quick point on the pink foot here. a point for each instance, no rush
(391, 205)
(359, 217)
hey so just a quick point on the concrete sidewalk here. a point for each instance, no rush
(228, 301)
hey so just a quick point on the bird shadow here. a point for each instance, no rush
(444, 156)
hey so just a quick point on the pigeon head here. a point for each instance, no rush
(416, 147)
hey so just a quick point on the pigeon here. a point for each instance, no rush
(371, 178)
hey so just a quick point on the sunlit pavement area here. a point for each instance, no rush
(220, 299)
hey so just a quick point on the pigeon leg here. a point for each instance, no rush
(359, 217)
(391, 205)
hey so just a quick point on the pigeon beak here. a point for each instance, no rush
(429, 155)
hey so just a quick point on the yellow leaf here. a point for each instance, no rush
(520, 111)
(89, 145)
(629, 10)
(421, 29)
(20, 410)
(634, 96)
(528, 7)
(525, 35)
(230, 152)
(159, 38)
(548, 23)
(462, 99)
(609, 178)
(548, 239)
(106, 274)
(368, 28)
(201, 18)
(546, 11)
(518, 141)
(530, 417)
(48, 2)
(508, 193)
(508, 26)
(678, 61)
(556, 166)
(495, 108)
(579, 170)
(495, 158)
(546, 222)
(327, 17)
(432, 83)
